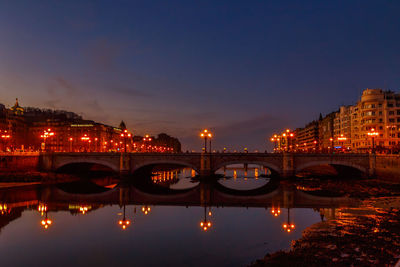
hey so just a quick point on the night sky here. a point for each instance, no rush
(243, 69)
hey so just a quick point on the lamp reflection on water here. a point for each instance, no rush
(124, 223)
(288, 226)
(146, 210)
(205, 225)
(276, 211)
(46, 222)
(83, 209)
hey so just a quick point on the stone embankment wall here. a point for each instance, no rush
(388, 167)
(24, 162)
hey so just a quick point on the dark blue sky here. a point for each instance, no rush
(242, 68)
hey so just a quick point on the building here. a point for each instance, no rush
(307, 138)
(326, 132)
(342, 128)
(33, 129)
(378, 110)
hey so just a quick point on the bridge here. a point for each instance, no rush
(282, 165)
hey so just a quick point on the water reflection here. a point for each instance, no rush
(288, 226)
(46, 222)
(124, 223)
(204, 224)
(170, 218)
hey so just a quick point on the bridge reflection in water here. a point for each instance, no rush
(49, 199)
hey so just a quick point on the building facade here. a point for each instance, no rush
(378, 110)
(342, 128)
(307, 138)
(326, 132)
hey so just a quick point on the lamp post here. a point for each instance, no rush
(206, 134)
(283, 138)
(5, 136)
(86, 138)
(331, 139)
(46, 134)
(125, 135)
(70, 143)
(341, 139)
(315, 145)
(373, 134)
(274, 139)
(391, 127)
(290, 137)
(146, 139)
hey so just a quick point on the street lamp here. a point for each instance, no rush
(331, 139)
(391, 127)
(46, 134)
(290, 144)
(146, 139)
(341, 139)
(5, 136)
(274, 139)
(70, 143)
(125, 135)
(373, 134)
(206, 134)
(86, 138)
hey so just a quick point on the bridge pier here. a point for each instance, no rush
(124, 164)
(372, 165)
(288, 169)
(205, 165)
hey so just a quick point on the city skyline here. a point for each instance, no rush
(242, 70)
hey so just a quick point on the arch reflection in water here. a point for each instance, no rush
(175, 179)
(242, 176)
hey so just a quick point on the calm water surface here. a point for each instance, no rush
(85, 228)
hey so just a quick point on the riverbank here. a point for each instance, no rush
(364, 236)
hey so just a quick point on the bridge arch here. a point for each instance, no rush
(274, 169)
(105, 163)
(332, 163)
(165, 162)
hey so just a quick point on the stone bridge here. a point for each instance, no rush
(283, 165)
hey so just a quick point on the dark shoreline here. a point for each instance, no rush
(364, 236)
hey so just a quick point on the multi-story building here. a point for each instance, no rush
(342, 128)
(78, 137)
(378, 110)
(57, 130)
(307, 138)
(326, 132)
